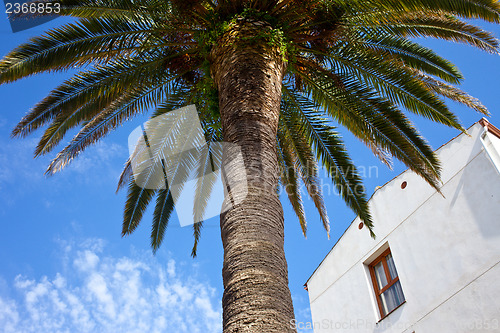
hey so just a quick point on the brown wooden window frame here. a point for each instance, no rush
(390, 281)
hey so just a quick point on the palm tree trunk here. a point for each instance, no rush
(248, 74)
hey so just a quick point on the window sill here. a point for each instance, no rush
(387, 315)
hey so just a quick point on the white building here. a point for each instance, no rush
(446, 250)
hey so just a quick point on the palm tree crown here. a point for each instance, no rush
(350, 63)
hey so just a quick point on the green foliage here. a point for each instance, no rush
(273, 37)
(352, 63)
(255, 14)
(208, 38)
(207, 94)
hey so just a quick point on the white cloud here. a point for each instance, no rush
(101, 293)
(86, 261)
(101, 156)
(99, 163)
(9, 317)
(171, 268)
(17, 163)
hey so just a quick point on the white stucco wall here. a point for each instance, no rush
(446, 250)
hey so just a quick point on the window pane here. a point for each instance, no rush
(380, 275)
(392, 297)
(392, 267)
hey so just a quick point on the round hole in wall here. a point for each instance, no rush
(360, 226)
(403, 185)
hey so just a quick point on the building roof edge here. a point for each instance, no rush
(483, 122)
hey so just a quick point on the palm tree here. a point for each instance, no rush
(274, 77)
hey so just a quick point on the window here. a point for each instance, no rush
(386, 283)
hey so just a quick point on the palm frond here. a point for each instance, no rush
(112, 8)
(366, 117)
(393, 82)
(289, 178)
(125, 176)
(95, 88)
(488, 10)
(330, 150)
(306, 165)
(179, 97)
(453, 93)
(409, 53)
(161, 216)
(210, 159)
(78, 44)
(443, 27)
(196, 234)
(137, 201)
(138, 100)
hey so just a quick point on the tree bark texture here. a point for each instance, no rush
(248, 74)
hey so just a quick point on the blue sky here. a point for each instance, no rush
(64, 266)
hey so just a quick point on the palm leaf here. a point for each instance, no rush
(365, 116)
(443, 27)
(289, 178)
(410, 54)
(97, 88)
(137, 201)
(453, 93)
(330, 150)
(196, 234)
(391, 81)
(488, 10)
(138, 100)
(161, 216)
(306, 165)
(77, 44)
